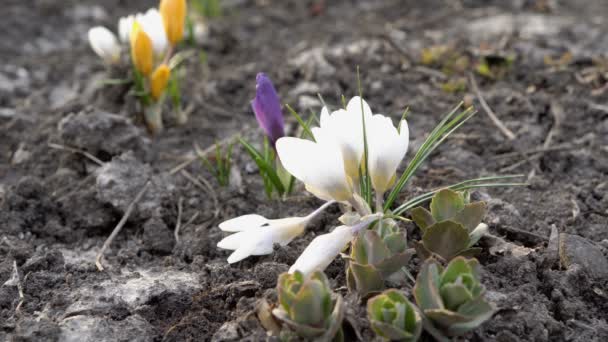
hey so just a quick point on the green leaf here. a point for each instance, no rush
(335, 320)
(393, 264)
(441, 132)
(367, 278)
(305, 126)
(471, 215)
(446, 204)
(396, 242)
(454, 295)
(470, 252)
(376, 250)
(445, 318)
(426, 290)
(478, 310)
(446, 238)
(461, 186)
(457, 267)
(423, 218)
(304, 309)
(264, 166)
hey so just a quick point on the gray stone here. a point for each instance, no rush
(229, 331)
(83, 328)
(132, 289)
(574, 249)
(119, 181)
(101, 132)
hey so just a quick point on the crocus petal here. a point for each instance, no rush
(319, 166)
(159, 81)
(267, 108)
(234, 241)
(141, 50)
(104, 43)
(174, 15)
(247, 250)
(152, 24)
(354, 107)
(243, 223)
(125, 24)
(387, 148)
(322, 250)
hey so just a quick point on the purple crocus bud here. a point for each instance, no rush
(267, 108)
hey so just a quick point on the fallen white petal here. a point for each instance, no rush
(243, 223)
(322, 250)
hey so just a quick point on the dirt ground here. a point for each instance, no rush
(545, 263)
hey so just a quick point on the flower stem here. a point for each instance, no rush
(319, 210)
(357, 206)
(379, 202)
(366, 221)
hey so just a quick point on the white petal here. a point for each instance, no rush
(354, 107)
(234, 241)
(322, 250)
(387, 148)
(254, 242)
(241, 254)
(242, 223)
(125, 24)
(104, 43)
(152, 24)
(319, 166)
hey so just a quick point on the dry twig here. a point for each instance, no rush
(495, 120)
(120, 224)
(19, 286)
(77, 151)
(178, 224)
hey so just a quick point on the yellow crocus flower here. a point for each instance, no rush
(173, 13)
(159, 80)
(142, 53)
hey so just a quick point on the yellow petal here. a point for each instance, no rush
(141, 50)
(174, 16)
(159, 80)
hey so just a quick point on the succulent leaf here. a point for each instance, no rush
(372, 259)
(471, 215)
(366, 279)
(455, 295)
(393, 317)
(446, 204)
(395, 242)
(454, 270)
(446, 238)
(462, 306)
(306, 306)
(423, 218)
(426, 290)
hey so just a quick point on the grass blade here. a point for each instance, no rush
(264, 166)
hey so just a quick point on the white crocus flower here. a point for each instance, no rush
(318, 165)
(344, 127)
(152, 23)
(323, 249)
(105, 44)
(256, 235)
(387, 147)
